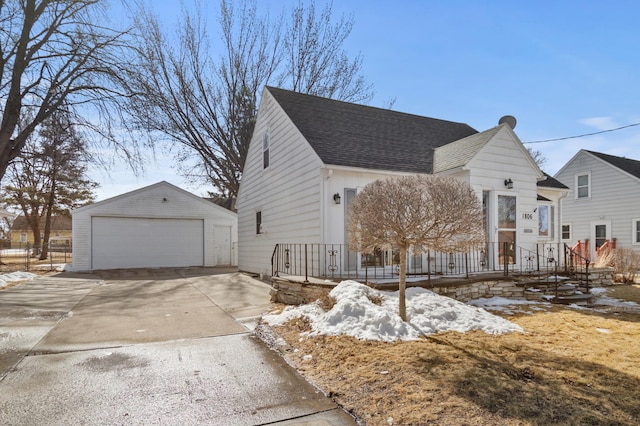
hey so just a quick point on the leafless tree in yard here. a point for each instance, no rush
(315, 61)
(49, 177)
(204, 101)
(422, 212)
(54, 53)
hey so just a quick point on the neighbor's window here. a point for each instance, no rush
(23, 237)
(566, 231)
(636, 231)
(258, 222)
(583, 186)
(265, 150)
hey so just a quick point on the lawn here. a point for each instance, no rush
(570, 366)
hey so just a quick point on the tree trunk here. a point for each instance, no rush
(47, 222)
(403, 284)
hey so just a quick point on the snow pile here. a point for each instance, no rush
(6, 279)
(370, 314)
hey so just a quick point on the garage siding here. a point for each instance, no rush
(161, 201)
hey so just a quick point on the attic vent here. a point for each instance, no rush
(509, 119)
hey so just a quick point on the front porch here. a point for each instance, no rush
(302, 273)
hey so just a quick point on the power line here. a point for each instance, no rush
(586, 134)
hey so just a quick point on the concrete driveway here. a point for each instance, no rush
(147, 347)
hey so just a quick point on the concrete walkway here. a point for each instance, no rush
(147, 347)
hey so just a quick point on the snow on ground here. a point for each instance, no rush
(604, 300)
(509, 306)
(6, 279)
(369, 314)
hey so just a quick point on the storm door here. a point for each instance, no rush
(507, 227)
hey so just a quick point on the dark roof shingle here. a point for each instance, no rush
(551, 182)
(626, 164)
(347, 134)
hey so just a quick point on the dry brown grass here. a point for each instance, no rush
(575, 367)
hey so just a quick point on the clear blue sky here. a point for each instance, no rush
(562, 68)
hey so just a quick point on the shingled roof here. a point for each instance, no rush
(551, 182)
(347, 134)
(626, 164)
(58, 223)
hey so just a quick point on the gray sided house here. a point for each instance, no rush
(604, 202)
(157, 226)
(309, 157)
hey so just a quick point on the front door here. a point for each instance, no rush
(600, 233)
(507, 226)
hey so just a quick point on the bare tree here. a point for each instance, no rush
(315, 60)
(49, 177)
(537, 156)
(54, 53)
(206, 102)
(419, 212)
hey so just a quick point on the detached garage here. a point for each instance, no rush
(153, 227)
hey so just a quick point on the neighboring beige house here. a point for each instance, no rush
(309, 157)
(603, 205)
(21, 233)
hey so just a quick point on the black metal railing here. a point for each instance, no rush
(577, 265)
(336, 261)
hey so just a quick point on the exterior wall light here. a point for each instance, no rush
(508, 183)
(336, 198)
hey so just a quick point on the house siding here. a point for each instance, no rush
(504, 157)
(338, 180)
(615, 198)
(148, 203)
(287, 193)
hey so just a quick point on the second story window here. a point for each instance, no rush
(583, 189)
(265, 150)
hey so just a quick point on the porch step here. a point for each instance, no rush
(578, 299)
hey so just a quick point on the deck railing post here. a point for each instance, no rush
(306, 273)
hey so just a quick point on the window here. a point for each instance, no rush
(636, 231)
(583, 187)
(265, 150)
(23, 237)
(566, 232)
(258, 222)
(543, 221)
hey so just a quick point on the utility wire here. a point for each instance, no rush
(586, 134)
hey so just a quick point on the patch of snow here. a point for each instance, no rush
(369, 314)
(604, 300)
(12, 277)
(506, 306)
(603, 330)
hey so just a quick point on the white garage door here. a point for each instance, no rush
(146, 243)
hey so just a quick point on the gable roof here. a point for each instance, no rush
(625, 164)
(58, 223)
(162, 184)
(457, 154)
(347, 134)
